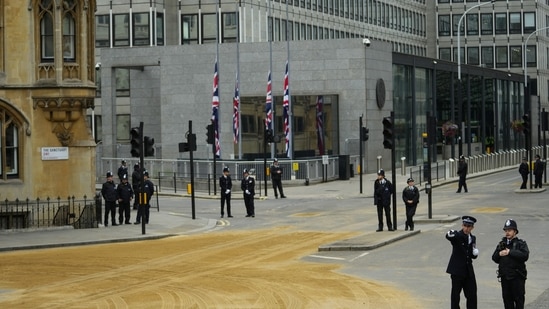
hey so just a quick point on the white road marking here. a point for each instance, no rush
(327, 257)
(358, 257)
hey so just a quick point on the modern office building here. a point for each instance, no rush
(139, 45)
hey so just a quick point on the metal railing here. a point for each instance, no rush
(174, 175)
(25, 214)
(475, 164)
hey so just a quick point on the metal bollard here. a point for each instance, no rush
(403, 166)
(379, 162)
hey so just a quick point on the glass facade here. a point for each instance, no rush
(473, 114)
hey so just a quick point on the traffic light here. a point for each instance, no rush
(149, 146)
(388, 128)
(190, 145)
(526, 124)
(269, 136)
(210, 134)
(364, 134)
(136, 142)
(191, 138)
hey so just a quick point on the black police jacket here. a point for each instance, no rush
(124, 192)
(461, 260)
(108, 191)
(225, 183)
(275, 175)
(412, 194)
(248, 183)
(382, 192)
(512, 265)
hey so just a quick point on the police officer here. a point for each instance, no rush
(122, 170)
(538, 171)
(511, 254)
(276, 177)
(462, 172)
(460, 266)
(410, 196)
(136, 182)
(124, 193)
(144, 210)
(226, 185)
(248, 188)
(382, 199)
(524, 171)
(108, 191)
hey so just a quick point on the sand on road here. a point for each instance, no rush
(248, 269)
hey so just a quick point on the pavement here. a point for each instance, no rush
(170, 220)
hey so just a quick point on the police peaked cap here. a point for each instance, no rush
(469, 220)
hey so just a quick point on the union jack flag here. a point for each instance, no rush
(319, 124)
(236, 106)
(286, 107)
(215, 110)
(269, 104)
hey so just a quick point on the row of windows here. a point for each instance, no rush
(134, 30)
(490, 56)
(461, 1)
(379, 13)
(489, 23)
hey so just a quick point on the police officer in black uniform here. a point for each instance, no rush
(538, 171)
(462, 172)
(144, 210)
(511, 254)
(248, 188)
(460, 266)
(226, 184)
(410, 196)
(124, 193)
(524, 171)
(108, 191)
(276, 177)
(122, 170)
(382, 199)
(136, 182)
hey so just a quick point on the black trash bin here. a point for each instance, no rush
(344, 167)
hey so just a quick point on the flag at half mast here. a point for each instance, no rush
(215, 110)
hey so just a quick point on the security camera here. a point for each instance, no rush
(366, 42)
(98, 66)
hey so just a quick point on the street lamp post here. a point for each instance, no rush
(527, 108)
(459, 76)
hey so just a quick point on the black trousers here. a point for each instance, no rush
(513, 292)
(124, 211)
(143, 212)
(249, 203)
(469, 286)
(277, 184)
(410, 212)
(387, 209)
(110, 207)
(462, 183)
(524, 181)
(537, 180)
(225, 198)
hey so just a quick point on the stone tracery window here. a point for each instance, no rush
(47, 47)
(9, 146)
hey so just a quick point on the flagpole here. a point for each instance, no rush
(290, 142)
(273, 113)
(239, 137)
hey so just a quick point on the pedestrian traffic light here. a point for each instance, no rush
(210, 134)
(526, 124)
(149, 146)
(269, 136)
(388, 128)
(136, 142)
(364, 134)
(184, 147)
